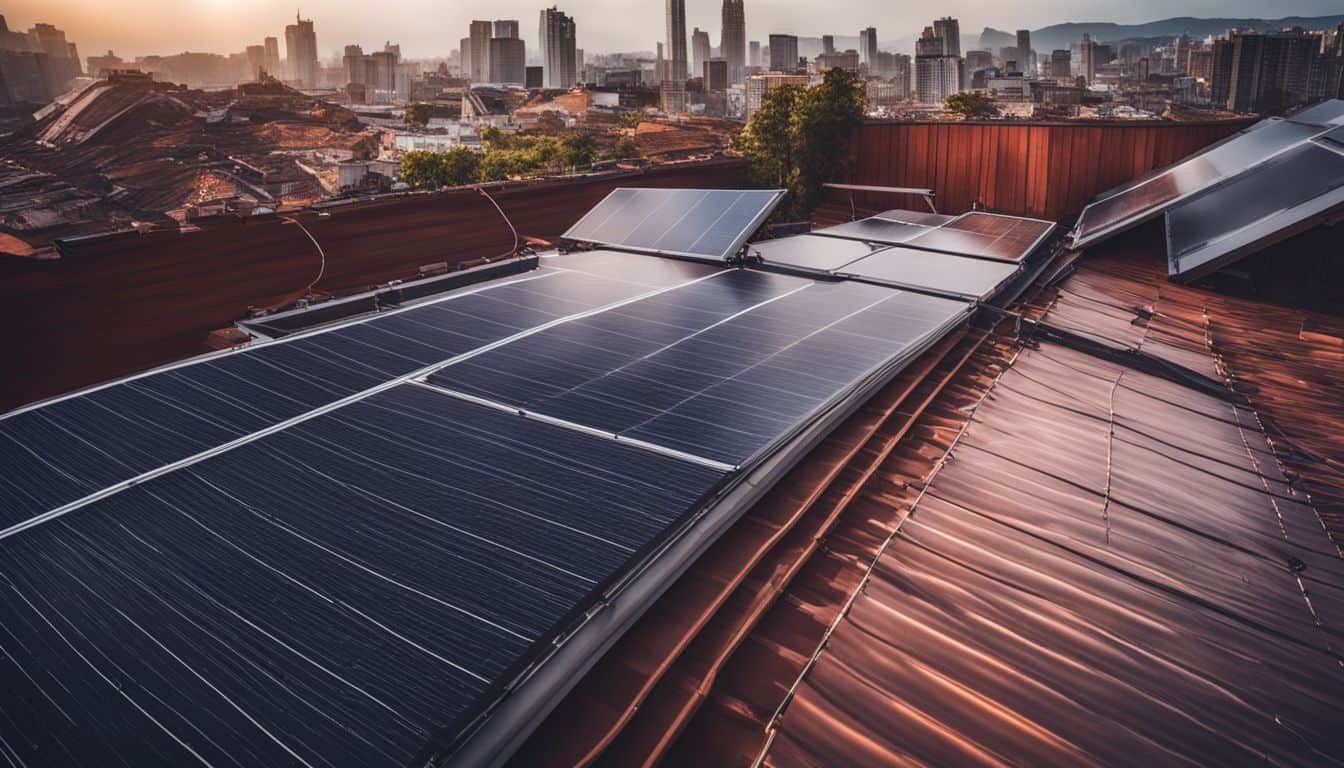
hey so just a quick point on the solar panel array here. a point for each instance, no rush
(891, 227)
(811, 252)
(932, 272)
(1253, 209)
(341, 546)
(699, 223)
(1148, 196)
(986, 236)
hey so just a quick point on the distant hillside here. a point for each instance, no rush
(1062, 35)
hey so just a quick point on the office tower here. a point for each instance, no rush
(699, 51)
(715, 72)
(783, 53)
(828, 43)
(256, 60)
(937, 74)
(478, 67)
(1087, 51)
(352, 64)
(977, 60)
(507, 28)
(508, 61)
(272, 46)
(1220, 79)
(676, 40)
(1024, 51)
(868, 46)
(464, 57)
(1061, 64)
(755, 53)
(301, 51)
(948, 30)
(900, 75)
(733, 41)
(1201, 63)
(846, 60)
(1141, 70)
(1272, 73)
(558, 37)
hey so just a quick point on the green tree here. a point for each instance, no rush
(424, 169)
(625, 149)
(970, 105)
(417, 114)
(800, 137)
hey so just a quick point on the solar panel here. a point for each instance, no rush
(1265, 204)
(809, 252)
(1333, 137)
(1146, 197)
(941, 273)
(333, 593)
(986, 236)
(65, 450)
(874, 230)
(760, 353)
(923, 218)
(1330, 111)
(698, 223)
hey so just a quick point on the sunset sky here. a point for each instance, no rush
(427, 28)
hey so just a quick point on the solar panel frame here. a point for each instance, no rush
(1329, 111)
(1275, 200)
(812, 253)
(874, 229)
(649, 204)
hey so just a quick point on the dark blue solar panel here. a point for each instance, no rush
(333, 593)
(66, 450)
(724, 390)
(711, 224)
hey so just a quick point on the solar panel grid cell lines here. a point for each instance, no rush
(709, 224)
(333, 593)
(810, 252)
(985, 235)
(937, 272)
(755, 355)
(68, 449)
(875, 229)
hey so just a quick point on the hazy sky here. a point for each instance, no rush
(426, 28)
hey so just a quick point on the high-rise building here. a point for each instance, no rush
(759, 85)
(733, 40)
(1220, 76)
(783, 53)
(977, 60)
(937, 74)
(676, 40)
(1061, 64)
(272, 46)
(867, 46)
(508, 61)
(464, 57)
(1087, 66)
(948, 30)
(900, 75)
(755, 57)
(1024, 51)
(352, 64)
(558, 37)
(506, 28)
(700, 52)
(256, 60)
(846, 60)
(478, 67)
(828, 43)
(301, 52)
(1272, 73)
(715, 72)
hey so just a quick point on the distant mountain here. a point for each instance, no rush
(1063, 35)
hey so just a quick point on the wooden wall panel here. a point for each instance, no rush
(1050, 170)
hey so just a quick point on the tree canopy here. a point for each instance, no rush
(970, 104)
(506, 155)
(800, 137)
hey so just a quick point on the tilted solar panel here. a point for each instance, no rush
(986, 236)
(698, 223)
(923, 218)
(928, 271)
(875, 229)
(810, 252)
(1329, 111)
(1259, 207)
(1143, 198)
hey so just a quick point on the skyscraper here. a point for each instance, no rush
(676, 40)
(756, 53)
(783, 53)
(1271, 73)
(272, 46)
(301, 51)
(1024, 50)
(507, 28)
(937, 74)
(948, 30)
(828, 43)
(1087, 53)
(699, 51)
(558, 36)
(508, 60)
(733, 42)
(478, 69)
(868, 47)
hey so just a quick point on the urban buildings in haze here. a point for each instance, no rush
(700, 51)
(783, 53)
(558, 49)
(868, 46)
(676, 40)
(949, 31)
(937, 73)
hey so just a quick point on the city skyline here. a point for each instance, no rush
(430, 31)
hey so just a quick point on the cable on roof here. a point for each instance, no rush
(512, 229)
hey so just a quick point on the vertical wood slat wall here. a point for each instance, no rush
(1047, 170)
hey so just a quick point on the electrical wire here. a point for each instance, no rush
(487, 196)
